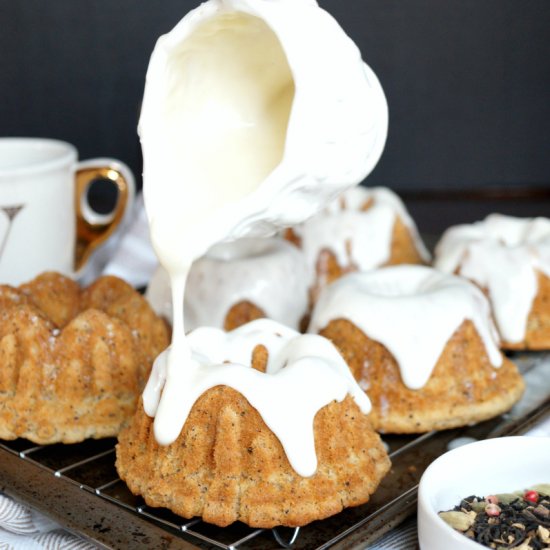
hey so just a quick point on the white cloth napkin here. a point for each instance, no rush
(133, 259)
(24, 529)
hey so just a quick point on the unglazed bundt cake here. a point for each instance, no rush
(73, 362)
(242, 439)
(421, 344)
(363, 229)
(509, 258)
(238, 282)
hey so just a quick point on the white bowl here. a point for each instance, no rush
(501, 465)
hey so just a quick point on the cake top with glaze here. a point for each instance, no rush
(304, 373)
(357, 228)
(412, 310)
(502, 254)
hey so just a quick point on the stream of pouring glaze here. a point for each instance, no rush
(255, 115)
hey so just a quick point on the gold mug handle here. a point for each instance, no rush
(92, 228)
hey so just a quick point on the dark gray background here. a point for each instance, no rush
(467, 81)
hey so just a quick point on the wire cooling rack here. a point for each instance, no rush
(78, 486)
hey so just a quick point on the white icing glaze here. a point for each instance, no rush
(501, 254)
(304, 373)
(359, 238)
(269, 273)
(412, 310)
(248, 125)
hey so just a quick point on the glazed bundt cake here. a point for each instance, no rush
(421, 344)
(509, 258)
(363, 229)
(73, 362)
(238, 282)
(247, 437)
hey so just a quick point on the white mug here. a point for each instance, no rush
(46, 221)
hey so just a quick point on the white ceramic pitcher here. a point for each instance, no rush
(270, 97)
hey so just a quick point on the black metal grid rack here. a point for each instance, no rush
(78, 486)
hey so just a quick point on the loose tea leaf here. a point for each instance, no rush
(457, 520)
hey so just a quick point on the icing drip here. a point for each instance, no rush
(357, 237)
(501, 254)
(269, 273)
(304, 373)
(412, 310)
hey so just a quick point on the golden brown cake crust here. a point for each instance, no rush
(241, 313)
(403, 247)
(537, 335)
(464, 386)
(72, 363)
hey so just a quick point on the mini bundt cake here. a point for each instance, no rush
(73, 362)
(363, 229)
(509, 258)
(421, 344)
(238, 282)
(244, 440)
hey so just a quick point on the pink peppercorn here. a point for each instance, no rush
(492, 499)
(492, 510)
(531, 496)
